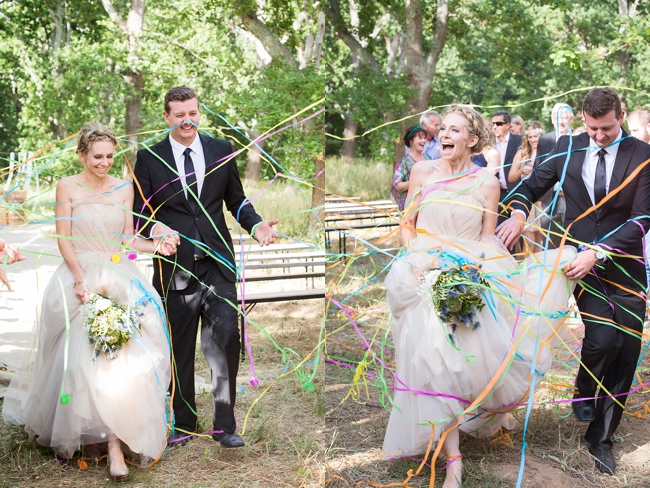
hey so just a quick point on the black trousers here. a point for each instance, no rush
(215, 303)
(609, 353)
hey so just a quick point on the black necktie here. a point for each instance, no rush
(600, 181)
(190, 181)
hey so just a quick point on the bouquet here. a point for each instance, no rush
(455, 295)
(109, 325)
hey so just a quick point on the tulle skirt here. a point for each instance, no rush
(65, 401)
(484, 371)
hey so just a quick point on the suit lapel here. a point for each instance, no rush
(623, 158)
(166, 153)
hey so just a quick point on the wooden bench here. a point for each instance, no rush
(343, 230)
(269, 258)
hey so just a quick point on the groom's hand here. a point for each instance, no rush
(581, 265)
(264, 233)
(510, 230)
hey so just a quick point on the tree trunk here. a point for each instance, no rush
(318, 196)
(134, 77)
(254, 160)
(132, 122)
(349, 131)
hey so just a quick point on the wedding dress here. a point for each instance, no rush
(62, 399)
(440, 373)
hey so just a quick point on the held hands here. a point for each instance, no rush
(167, 244)
(510, 230)
(264, 233)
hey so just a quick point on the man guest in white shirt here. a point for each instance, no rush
(507, 144)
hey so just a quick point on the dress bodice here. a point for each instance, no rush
(448, 212)
(96, 226)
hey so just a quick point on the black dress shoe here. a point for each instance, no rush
(604, 461)
(178, 439)
(584, 411)
(228, 440)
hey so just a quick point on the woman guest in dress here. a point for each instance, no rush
(415, 139)
(65, 394)
(523, 163)
(466, 372)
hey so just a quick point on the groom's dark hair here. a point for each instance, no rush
(600, 101)
(178, 94)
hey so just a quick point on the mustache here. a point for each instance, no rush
(187, 122)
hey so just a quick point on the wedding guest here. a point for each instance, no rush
(516, 125)
(507, 144)
(552, 218)
(8, 255)
(66, 393)
(639, 124)
(415, 139)
(430, 122)
(522, 165)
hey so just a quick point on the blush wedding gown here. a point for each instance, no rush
(437, 377)
(124, 397)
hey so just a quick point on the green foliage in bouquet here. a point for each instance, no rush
(109, 325)
(455, 295)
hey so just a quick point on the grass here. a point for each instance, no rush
(365, 178)
(284, 430)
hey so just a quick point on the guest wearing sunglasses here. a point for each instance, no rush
(507, 144)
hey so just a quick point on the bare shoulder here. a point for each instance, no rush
(421, 169)
(65, 187)
(489, 182)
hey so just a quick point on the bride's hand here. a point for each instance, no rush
(167, 245)
(80, 291)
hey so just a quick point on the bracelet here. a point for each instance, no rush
(80, 282)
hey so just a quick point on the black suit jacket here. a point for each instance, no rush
(545, 146)
(514, 143)
(631, 201)
(156, 175)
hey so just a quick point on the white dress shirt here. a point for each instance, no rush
(591, 161)
(502, 147)
(197, 158)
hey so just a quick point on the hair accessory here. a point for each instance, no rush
(537, 130)
(414, 130)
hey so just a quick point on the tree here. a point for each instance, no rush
(134, 78)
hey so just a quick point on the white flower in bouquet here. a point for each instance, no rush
(109, 325)
(102, 304)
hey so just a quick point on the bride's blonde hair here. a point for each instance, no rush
(477, 125)
(93, 132)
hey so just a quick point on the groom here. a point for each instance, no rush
(608, 170)
(184, 182)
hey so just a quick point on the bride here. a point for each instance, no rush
(452, 377)
(62, 398)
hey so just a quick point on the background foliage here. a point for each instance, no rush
(495, 53)
(65, 62)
